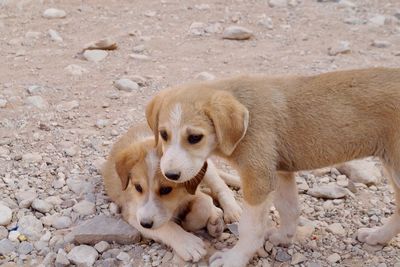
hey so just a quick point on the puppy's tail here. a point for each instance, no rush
(230, 179)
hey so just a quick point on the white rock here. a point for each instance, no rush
(214, 28)
(83, 255)
(84, 208)
(139, 56)
(123, 256)
(5, 215)
(327, 191)
(277, 3)
(298, 258)
(380, 44)
(25, 198)
(54, 13)
(361, 171)
(205, 76)
(126, 85)
(67, 106)
(95, 55)
(31, 157)
(3, 103)
(336, 229)
(34, 89)
(55, 36)
(30, 226)
(101, 123)
(61, 222)
(76, 70)
(197, 28)
(342, 48)
(202, 7)
(42, 206)
(103, 44)
(37, 101)
(70, 151)
(102, 246)
(61, 259)
(13, 236)
(378, 20)
(334, 258)
(346, 4)
(33, 35)
(138, 48)
(266, 22)
(237, 33)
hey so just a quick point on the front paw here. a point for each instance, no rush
(190, 247)
(228, 258)
(215, 224)
(232, 213)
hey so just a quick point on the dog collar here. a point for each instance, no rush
(192, 184)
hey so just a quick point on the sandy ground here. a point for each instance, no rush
(79, 116)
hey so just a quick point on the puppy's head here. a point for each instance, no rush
(154, 198)
(191, 123)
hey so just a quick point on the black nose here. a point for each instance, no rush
(173, 175)
(147, 225)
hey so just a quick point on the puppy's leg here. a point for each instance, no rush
(188, 246)
(382, 235)
(286, 202)
(256, 189)
(223, 193)
(203, 213)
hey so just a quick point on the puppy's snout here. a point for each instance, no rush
(173, 175)
(146, 224)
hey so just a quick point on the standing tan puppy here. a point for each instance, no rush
(271, 127)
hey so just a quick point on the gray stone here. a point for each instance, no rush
(233, 228)
(32, 157)
(197, 28)
(49, 259)
(101, 123)
(61, 259)
(327, 192)
(139, 56)
(76, 70)
(34, 89)
(103, 44)
(266, 22)
(61, 222)
(336, 229)
(5, 215)
(83, 255)
(3, 232)
(380, 44)
(55, 36)
(54, 13)
(126, 85)
(95, 55)
(84, 208)
(103, 228)
(361, 171)
(298, 258)
(25, 248)
(342, 48)
(41, 205)
(123, 256)
(25, 198)
(277, 3)
(79, 186)
(30, 226)
(205, 76)
(37, 101)
(6, 246)
(282, 256)
(3, 103)
(102, 246)
(378, 20)
(333, 258)
(67, 106)
(237, 33)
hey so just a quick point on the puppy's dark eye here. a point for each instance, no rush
(195, 138)
(164, 135)
(165, 190)
(138, 188)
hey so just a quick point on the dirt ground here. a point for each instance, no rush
(71, 124)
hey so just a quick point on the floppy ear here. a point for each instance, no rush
(230, 119)
(125, 161)
(152, 113)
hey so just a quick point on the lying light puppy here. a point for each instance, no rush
(271, 127)
(158, 208)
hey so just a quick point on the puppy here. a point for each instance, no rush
(271, 127)
(160, 209)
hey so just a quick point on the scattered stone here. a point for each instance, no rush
(327, 192)
(380, 44)
(3, 103)
(197, 28)
(25, 198)
(31, 157)
(101, 123)
(298, 258)
(3, 232)
(6, 246)
(336, 229)
(37, 101)
(76, 70)
(61, 259)
(333, 258)
(282, 256)
(82, 255)
(34, 89)
(31, 227)
(103, 228)
(5, 215)
(277, 3)
(55, 36)
(237, 33)
(95, 55)
(126, 85)
(139, 48)
(33, 35)
(102, 246)
(266, 22)
(123, 256)
(139, 56)
(233, 228)
(342, 48)
(202, 7)
(346, 4)
(61, 222)
(25, 248)
(70, 151)
(378, 20)
(361, 171)
(85, 208)
(67, 106)
(103, 44)
(204, 76)
(53, 13)
(41, 205)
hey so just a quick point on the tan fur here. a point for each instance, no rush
(295, 123)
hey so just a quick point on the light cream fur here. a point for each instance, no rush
(264, 125)
(134, 160)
